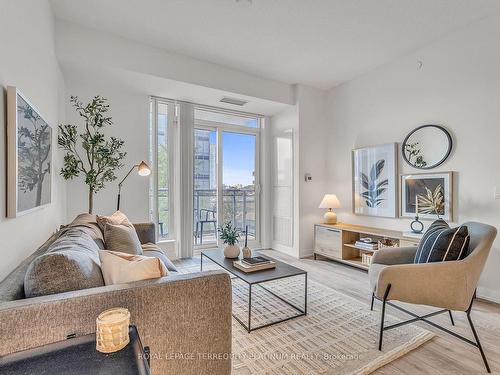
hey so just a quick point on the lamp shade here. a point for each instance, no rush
(330, 201)
(143, 169)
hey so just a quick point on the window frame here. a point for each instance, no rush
(172, 120)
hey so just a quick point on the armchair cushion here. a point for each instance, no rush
(441, 243)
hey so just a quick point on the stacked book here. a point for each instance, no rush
(366, 244)
(254, 264)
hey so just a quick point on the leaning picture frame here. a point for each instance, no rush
(374, 180)
(426, 186)
(29, 156)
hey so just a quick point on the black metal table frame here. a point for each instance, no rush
(248, 327)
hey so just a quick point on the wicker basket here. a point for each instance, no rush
(388, 242)
(112, 330)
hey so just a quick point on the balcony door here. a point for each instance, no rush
(226, 175)
(238, 181)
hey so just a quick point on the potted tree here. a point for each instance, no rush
(229, 236)
(100, 156)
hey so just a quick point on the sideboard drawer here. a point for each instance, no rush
(328, 241)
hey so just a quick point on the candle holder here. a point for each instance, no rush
(417, 226)
(112, 330)
(247, 252)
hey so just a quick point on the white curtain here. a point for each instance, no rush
(186, 121)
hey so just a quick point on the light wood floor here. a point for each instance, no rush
(444, 354)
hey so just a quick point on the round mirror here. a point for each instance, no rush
(427, 146)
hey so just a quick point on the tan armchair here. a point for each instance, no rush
(448, 285)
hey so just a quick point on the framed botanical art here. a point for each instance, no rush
(375, 180)
(29, 156)
(431, 194)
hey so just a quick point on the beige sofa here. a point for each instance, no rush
(184, 319)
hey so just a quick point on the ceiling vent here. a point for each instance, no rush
(233, 101)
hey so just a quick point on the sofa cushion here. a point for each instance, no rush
(441, 243)
(71, 263)
(119, 268)
(152, 250)
(12, 287)
(88, 223)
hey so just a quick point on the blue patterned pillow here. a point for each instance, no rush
(441, 243)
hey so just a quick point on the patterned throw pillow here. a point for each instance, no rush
(441, 243)
(119, 233)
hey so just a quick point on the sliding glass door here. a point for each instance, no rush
(225, 184)
(238, 180)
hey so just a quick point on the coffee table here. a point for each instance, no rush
(282, 270)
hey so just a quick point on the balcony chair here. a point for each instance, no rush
(449, 285)
(205, 216)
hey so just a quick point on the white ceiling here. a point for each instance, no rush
(86, 76)
(320, 43)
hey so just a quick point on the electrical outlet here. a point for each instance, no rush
(308, 177)
(497, 192)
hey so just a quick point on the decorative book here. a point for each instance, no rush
(253, 268)
(253, 261)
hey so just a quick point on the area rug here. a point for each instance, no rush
(339, 335)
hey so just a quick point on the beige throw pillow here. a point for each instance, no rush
(122, 238)
(118, 268)
(118, 218)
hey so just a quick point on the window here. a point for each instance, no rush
(225, 180)
(162, 116)
(225, 173)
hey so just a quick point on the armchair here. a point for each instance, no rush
(447, 285)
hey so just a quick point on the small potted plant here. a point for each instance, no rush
(229, 236)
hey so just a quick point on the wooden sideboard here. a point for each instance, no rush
(337, 241)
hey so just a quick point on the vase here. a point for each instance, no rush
(232, 251)
(247, 252)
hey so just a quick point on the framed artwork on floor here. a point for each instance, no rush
(430, 193)
(374, 180)
(29, 156)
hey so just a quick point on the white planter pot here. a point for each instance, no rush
(232, 251)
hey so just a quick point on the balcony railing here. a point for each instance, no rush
(238, 207)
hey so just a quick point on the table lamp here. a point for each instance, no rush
(142, 169)
(330, 201)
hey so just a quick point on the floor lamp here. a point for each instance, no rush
(142, 169)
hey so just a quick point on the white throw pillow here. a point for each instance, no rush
(118, 268)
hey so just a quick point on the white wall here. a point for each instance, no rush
(308, 119)
(313, 157)
(27, 60)
(130, 112)
(458, 86)
(285, 120)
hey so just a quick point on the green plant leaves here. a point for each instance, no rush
(374, 188)
(101, 156)
(228, 233)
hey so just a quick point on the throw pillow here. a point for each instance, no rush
(152, 250)
(118, 268)
(70, 263)
(122, 238)
(118, 218)
(441, 243)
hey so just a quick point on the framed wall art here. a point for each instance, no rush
(431, 194)
(29, 156)
(375, 180)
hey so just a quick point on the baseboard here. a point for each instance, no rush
(307, 253)
(488, 294)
